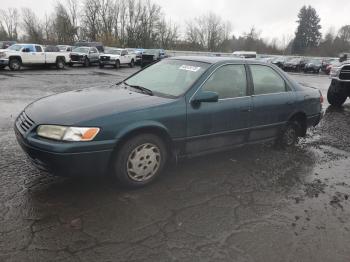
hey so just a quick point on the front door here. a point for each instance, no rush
(273, 102)
(217, 125)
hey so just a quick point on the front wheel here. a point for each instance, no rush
(132, 63)
(117, 64)
(336, 95)
(86, 62)
(101, 65)
(140, 160)
(15, 64)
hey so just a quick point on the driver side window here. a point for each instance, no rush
(228, 81)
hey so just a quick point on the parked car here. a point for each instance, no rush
(84, 56)
(97, 45)
(339, 89)
(313, 65)
(65, 48)
(244, 54)
(6, 44)
(151, 56)
(331, 65)
(28, 55)
(117, 57)
(179, 107)
(295, 64)
(279, 61)
(138, 52)
(326, 63)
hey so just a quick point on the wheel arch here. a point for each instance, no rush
(145, 128)
(301, 118)
(61, 57)
(16, 57)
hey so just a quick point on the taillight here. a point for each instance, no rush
(321, 97)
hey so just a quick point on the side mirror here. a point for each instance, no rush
(205, 97)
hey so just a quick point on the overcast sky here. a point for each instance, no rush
(274, 18)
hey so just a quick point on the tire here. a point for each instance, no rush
(60, 63)
(101, 65)
(86, 62)
(117, 64)
(2, 67)
(132, 63)
(133, 170)
(289, 135)
(336, 95)
(70, 64)
(15, 64)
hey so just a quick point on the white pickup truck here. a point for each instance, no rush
(30, 54)
(117, 57)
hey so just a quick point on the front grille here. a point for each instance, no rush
(75, 57)
(104, 58)
(345, 73)
(24, 124)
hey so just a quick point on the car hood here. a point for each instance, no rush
(110, 55)
(71, 108)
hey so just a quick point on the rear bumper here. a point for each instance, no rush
(315, 119)
(91, 163)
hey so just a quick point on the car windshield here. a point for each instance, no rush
(169, 77)
(113, 52)
(82, 50)
(15, 47)
(151, 52)
(62, 48)
(315, 62)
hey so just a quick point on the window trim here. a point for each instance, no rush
(286, 85)
(228, 98)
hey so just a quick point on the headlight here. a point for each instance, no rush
(2, 54)
(335, 71)
(64, 133)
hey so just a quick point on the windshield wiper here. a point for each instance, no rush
(141, 88)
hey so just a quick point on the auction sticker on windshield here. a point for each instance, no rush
(189, 68)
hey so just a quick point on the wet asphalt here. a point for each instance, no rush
(255, 203)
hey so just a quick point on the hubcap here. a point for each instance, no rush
(15, 65)
(289, 136)
(143, 162)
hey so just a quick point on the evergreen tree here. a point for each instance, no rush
(308, 33)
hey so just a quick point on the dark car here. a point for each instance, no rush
(151, 56)
(6, 44)
(339, 90)
(52, 48)
(176, 108)
(279, 61)
(295, 64)
(98, 45)
(84, 56)
(313, 66)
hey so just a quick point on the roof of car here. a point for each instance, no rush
(210, 59)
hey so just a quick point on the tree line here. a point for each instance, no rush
(142, 23)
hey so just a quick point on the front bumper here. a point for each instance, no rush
(4, 62)
(85, 163)
(107, 62)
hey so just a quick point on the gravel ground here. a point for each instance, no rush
(252, 204)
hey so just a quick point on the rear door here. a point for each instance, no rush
(273, 102)
(222, 124)
(39, 55)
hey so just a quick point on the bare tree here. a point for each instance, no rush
(9, 21)
(32, 27)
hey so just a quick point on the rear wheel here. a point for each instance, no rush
(336, 94)
(289, 136)
(60, 64)
(132, 63)
(71, 64)
(101, 65)
(15, 64)
(140, 160)
(2, 67)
